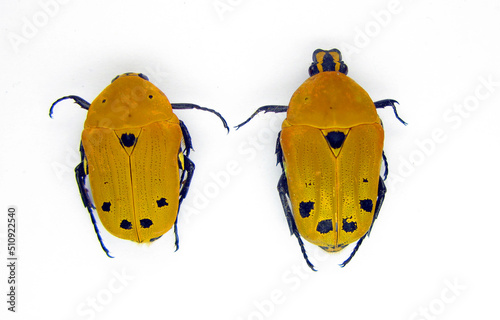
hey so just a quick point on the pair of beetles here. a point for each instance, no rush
(135, 153)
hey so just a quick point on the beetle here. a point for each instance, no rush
(330, 149)
(135, 153)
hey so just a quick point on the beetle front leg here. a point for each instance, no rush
(265, 109)
(389, 103)
(79, 101)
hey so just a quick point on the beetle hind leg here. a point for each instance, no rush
(380, 199)
(283, 192)
(188, 170)
(81, 173)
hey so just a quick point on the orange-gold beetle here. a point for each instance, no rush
(330, 149)
(135, 152)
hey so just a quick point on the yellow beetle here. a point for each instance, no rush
(135, 152)
(330, 149)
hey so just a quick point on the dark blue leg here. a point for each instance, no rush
(80, 172)
(265, 109)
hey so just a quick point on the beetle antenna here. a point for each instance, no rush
(265, 109)
(181, 106)
(79, 101)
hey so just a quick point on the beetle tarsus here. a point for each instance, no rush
(343, 264)
(265, 109)
(183, 106)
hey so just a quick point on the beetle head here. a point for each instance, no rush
(327, 60)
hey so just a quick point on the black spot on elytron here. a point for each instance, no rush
(146, 223)
(127, 139)
(125, 224)
(335, 139)
(366, 205)
(103, 100)
(150, 97)
(349, 226)
(365, 180)
(154, 239)
(106, 206)
(325, 226)
(162, 202)
(305, 208)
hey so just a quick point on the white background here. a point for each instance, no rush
(433, 252)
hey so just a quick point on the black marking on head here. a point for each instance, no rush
(335, 139)
(331, 61)
(146, 223)
(154, 239)
(349, 226)
(127, 139)
(125, 224)
(365, 180)
(162, 202)
(366, 205)
(143, 76)
(305, 208)
(106, 206)
(324, 226)
(328, 63)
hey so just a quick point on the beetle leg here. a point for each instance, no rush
(380, 199)
(279, 152)
(189, 169)
(188, 146)
(390, 103)
(81, 173)
(180, 106)
(343, 264)
(386, 165)
(283, 191)
(79, 101)
(265, 109)
(187, 138)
